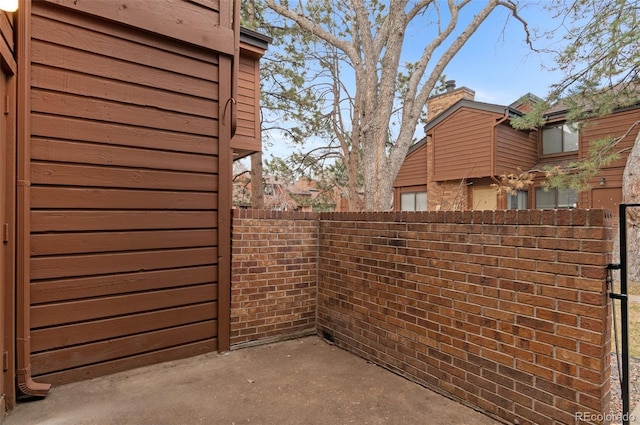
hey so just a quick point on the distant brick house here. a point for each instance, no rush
(469, 143)
(280, 195)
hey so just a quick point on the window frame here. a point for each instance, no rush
(516, 195)
(557, 195)
(563, 150)
(415, 196)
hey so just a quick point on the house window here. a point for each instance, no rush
(559, 139)
(518, 200)
(556, 198)
(413, 201)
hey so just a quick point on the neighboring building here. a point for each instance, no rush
(279, 195)
(120, 126)
(468, 144)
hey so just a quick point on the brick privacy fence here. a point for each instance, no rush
(505, 311)
(273, 275)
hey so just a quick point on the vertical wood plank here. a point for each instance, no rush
(9, 290)
(228, 88)
(224, 209)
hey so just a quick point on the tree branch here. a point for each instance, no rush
(315, 29)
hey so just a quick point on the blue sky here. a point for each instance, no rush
(498, 64)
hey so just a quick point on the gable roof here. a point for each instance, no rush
(463, 103)
(525, 98)
(466, 103)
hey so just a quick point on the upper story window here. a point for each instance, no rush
(559, 138)
(413, 201)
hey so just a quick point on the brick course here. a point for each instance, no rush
(505, 311)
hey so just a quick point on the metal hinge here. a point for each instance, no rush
(5, 361)
(6, 104)
(5, 232)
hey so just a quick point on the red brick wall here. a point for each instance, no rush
(504, 310)
(273, 275)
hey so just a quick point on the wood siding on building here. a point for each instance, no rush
(247, 139)
(124, 189)
(608, 195)
(412, 176)
(614, 125)
(462, 145)
(198, 22)
(414, 169)
(514, 149)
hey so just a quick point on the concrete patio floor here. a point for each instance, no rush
(304, 381)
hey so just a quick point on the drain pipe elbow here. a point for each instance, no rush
(26, 385)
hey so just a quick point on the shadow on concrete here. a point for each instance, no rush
(303, 381)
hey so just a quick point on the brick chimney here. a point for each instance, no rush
(438, 103)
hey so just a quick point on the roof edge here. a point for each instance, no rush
(254, 38)
(490, 107)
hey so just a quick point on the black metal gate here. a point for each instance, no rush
(624, 310)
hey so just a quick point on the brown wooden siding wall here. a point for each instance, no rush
(247, 98)
(197, 22)
(462, 146)
(124, 161)
(612, 126)
(514, 149)
(608, 195)
(414, 169)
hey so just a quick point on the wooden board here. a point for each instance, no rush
(55, 197)
(48, 291)
(109, 328)
(82, 355)
(94, 309)
(184, 21)
(75, 128)
(119, 262)
(129, 362)
(68, 243)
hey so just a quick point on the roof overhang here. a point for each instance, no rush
(254, 42)
(466, 103)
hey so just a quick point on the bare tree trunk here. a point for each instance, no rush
(352, 184)
(631, 195)
(257, 191)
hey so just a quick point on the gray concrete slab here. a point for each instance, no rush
(304, 381)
